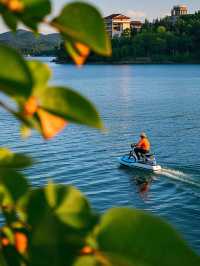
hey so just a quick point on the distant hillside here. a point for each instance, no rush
(29, 43)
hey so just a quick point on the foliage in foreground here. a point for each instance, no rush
(55, 225)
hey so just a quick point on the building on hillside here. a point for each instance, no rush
(179, 10)
(136, 25)
(116, 24)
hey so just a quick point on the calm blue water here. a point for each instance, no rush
(161, 100)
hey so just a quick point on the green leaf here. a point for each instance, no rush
(13, 160)
(41, 74)
(11, 256)
(31, 13)
(81, 22)
(10, 20)
(2, 260)
(34, 12)
(69, 105)
(15, 76)
(60, 220)
(63, 204)
(69, 205)
(8, 233)
(13, 186)
(87, 261)
(134, 238)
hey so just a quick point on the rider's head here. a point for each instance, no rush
(143, 135)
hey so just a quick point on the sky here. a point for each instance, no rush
(136, 9)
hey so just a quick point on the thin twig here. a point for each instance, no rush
(7, 108)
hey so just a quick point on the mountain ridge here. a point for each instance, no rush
(29, 43)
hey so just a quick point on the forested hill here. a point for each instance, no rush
(29, 43)
(163, 41)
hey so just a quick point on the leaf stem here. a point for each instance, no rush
(4, 106)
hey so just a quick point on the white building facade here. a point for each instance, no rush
(179, 10)
(116, 24)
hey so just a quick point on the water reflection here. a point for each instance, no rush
(140, 179)
(144, 184)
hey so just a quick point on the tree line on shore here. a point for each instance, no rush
(161, 41)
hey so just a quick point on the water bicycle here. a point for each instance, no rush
(147, 161)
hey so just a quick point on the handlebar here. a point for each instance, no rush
(133, 145)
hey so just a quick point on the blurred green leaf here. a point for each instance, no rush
(69, 205)
(34, 12)
(13, 186)
(15, 76)
(8, 233)
(11, 256)
(69, 105)
(81, 22)
(65, 203)
(10, 20)
(131, 237)
(9, 159)
(30, 12)
(87, 261)
(61, 203)
(41, 74)
(2, 260)
(60, 220)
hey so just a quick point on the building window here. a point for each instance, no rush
(117, 27)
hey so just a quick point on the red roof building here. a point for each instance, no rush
(117, 16)
(116, 24)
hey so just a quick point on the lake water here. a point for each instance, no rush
(163, 101)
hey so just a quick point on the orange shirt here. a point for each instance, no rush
(144, 144)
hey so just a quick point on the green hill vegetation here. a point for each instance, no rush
(29, 43)
(162, 41)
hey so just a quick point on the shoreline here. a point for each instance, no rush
(131, 62)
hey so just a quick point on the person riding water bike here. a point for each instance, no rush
(143, 146)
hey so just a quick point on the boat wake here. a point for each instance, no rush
(179, 175)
